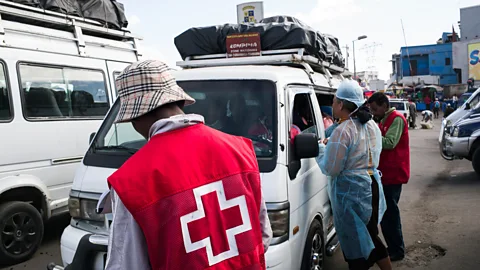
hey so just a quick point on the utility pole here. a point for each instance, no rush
(347, 53)
(354, 65)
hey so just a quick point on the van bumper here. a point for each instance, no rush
(69, 244)
(457, 147)
(279, 256)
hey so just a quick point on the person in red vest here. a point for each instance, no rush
(191, 197)
(395, 168)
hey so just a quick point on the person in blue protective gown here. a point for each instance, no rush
(350, 157)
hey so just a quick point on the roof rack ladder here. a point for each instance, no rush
(309, 71)
(79, 39)
(308, 68)
(329, 75)
(136, 47)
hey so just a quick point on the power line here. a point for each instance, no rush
(371, 50)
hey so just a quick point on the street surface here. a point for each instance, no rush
(441, 217)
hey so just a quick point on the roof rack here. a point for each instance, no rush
(292, 57)
(11, 11)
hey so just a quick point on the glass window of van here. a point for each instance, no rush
(239, 107)
(303, 117)
(5, 106)
(399, 106)
(61, 92)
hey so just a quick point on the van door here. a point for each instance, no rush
(59, 100)
(307, 190)
(114, 69)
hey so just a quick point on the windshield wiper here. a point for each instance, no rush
(117, 147)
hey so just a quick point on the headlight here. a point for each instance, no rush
(279, 222)
(462, 132)
(84, 209)
(455, 132)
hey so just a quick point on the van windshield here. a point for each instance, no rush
(238, 107)
(399, 106)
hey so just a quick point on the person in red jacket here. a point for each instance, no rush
(191, 197)
(395, 168)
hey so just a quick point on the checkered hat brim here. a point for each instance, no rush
(145, 86)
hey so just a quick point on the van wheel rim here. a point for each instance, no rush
(316, 253)
(19, 234)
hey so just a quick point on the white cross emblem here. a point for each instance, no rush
(200, 213)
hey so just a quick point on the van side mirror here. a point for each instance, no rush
(92, 136)
(306, 145)
(467, 106)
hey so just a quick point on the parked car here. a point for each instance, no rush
(56, 86)
(471, 106)
(401, 106)
(463, 140)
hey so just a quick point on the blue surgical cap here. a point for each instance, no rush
(351, 91)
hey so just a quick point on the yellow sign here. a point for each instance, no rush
(249, 14)
(474, 61)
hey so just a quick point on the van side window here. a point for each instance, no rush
(61, 92)
(5, 107)
(303, 117)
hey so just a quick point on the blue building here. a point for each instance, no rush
(426, 64)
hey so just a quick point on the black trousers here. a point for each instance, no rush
(380, 251)
(391, 222)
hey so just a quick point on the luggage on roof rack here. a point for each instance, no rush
(69, 7)
(109, 13)
(33, 3)
(11, 11)
(279, 33)
(16, 18)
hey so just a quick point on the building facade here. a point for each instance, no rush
(425, 64)
(466, 52)
(367, 76)
(470, 23)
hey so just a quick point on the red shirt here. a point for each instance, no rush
(427, 100)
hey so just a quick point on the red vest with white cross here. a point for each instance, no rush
(195, 193)
(395, 163)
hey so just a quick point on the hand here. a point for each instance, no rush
(325, 141)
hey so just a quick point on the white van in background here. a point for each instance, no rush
(278, 88)
(402, 106)
(56, 86)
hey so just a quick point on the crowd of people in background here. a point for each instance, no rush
(430, 106)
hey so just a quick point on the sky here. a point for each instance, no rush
(424, 21)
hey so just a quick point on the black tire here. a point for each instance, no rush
(21, 232)
(314, 252)
(476, 160)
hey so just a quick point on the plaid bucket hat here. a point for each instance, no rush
(144, 86)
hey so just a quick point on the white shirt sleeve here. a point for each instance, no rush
(127, 247)
(267, 233)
